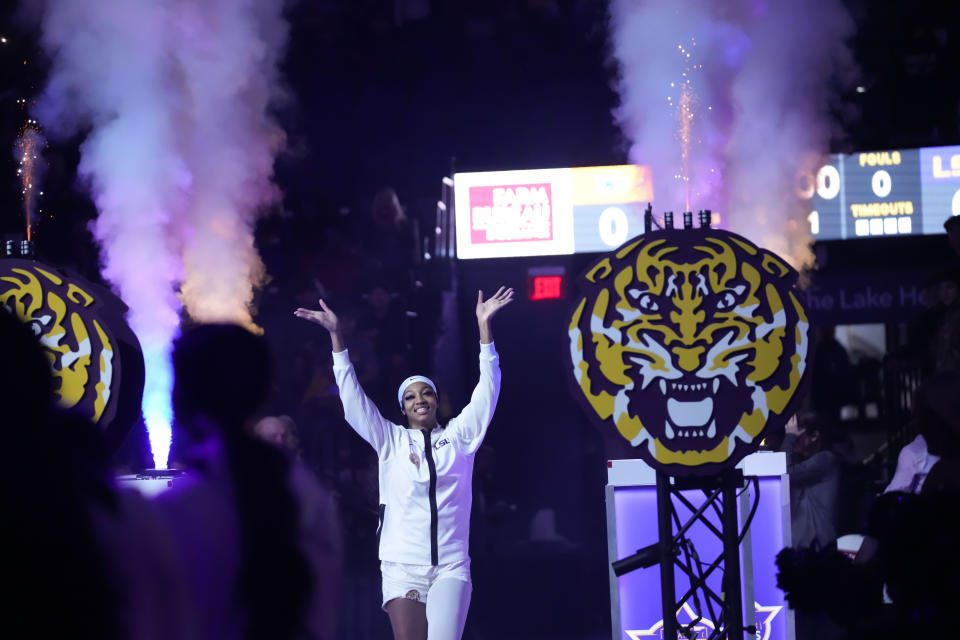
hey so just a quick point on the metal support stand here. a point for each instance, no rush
(732, 605)
(675, 550)
(668, 591)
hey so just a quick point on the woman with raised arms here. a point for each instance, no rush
(426, 477)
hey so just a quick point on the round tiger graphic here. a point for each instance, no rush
(95, 357)
(690, 343)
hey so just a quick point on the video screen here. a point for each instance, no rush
(884, 193)
(594, 209)
(549, 211)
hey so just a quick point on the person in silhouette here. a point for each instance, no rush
(235, 518)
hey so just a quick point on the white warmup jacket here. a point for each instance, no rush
(425, 489)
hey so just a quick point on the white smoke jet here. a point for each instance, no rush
(781, 124)
(228, 52)
(110, 73)
(757, 72)
(177, 172)
(660, 46)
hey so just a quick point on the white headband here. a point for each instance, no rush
(409, 381)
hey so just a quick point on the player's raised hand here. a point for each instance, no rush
(486, 309)
(324, 316)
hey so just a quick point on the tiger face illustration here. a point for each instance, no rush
(94, 357)
(690, 343)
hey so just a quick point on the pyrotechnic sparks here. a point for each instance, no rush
(684, 115)
(26, 150)
(746, 104)
(660, 46)
(684, 109)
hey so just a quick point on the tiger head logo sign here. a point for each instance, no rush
(95, 357)
(690, 343)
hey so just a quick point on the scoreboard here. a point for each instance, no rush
(883, 193)
(543, 212)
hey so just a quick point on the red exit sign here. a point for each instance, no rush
(546, 284)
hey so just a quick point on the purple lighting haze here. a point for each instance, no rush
(178, 158)
(728, 102)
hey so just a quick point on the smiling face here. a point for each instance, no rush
(420, 406)
(690, 346)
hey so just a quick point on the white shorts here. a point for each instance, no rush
(413, 581)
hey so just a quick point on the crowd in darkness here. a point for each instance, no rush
(371, 266)
(368, 261)
(894, 585)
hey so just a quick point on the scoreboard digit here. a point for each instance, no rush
(824, 190)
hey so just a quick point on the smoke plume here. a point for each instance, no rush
(229, 51)
(178, 156)
(728, 102)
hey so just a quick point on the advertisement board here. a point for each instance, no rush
(549, 211)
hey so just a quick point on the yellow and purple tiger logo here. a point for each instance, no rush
(690, 343)
(95, 358)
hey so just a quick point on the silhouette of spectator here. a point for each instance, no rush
(906, 551)
(358, 493)
(281, 432)
(832, 374)
(944, 476)
(383, 322)
(814, 474)
(235, 518)
(56, 572)
(922, 329)
(319, 525)
(916, 558)
(946, 339)
(391, 242)
(101, 554)
(912, 553)
(952, 227)
(936, 419)
(339, 265)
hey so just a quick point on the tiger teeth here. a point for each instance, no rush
(682, 432)
(677, 386)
